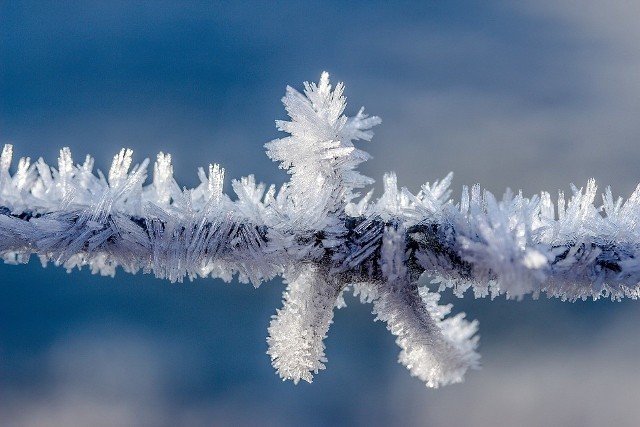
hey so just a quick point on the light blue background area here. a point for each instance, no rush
(531, 95)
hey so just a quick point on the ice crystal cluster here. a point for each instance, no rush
(323, 238)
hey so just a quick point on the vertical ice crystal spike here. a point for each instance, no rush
(5, 158)
(163, 182)
(120, 167)
(5, 164)
(24, 177)
(65, 172)
(216, 181)
(6, 192)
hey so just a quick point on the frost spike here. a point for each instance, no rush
(5, 164)
(216, 181)
(163, 182)
(120, 167)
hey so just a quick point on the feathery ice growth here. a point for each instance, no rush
(323, 239)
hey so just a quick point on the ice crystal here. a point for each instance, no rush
(323, 240)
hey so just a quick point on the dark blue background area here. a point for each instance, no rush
(532, 97)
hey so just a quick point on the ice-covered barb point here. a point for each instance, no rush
(323, 240)
(319, 153)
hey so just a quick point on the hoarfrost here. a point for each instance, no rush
(323, 240)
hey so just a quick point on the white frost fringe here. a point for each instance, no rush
(315, 234)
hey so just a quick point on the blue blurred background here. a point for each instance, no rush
(531, 95)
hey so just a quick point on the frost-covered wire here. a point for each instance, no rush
(324, 239)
